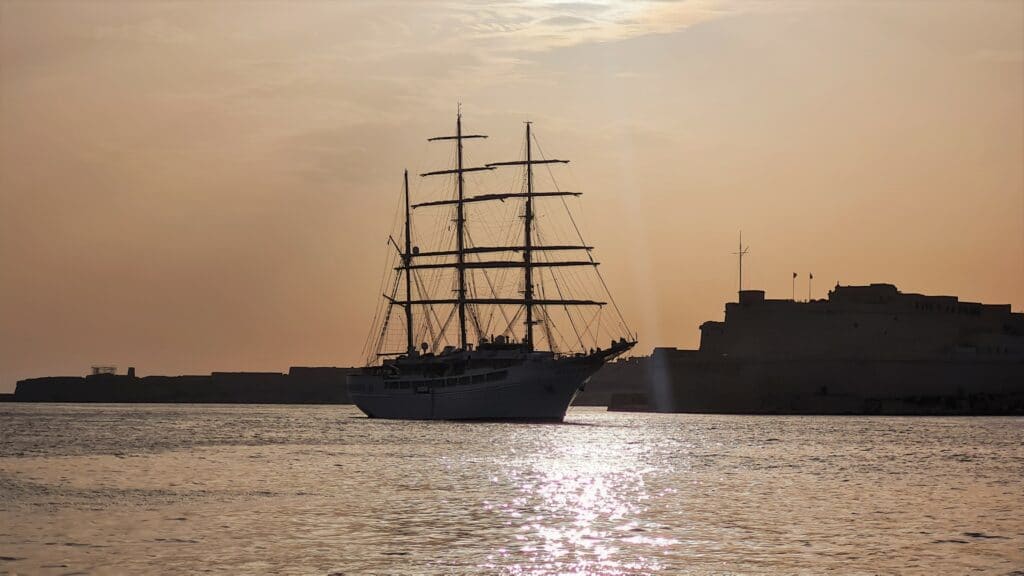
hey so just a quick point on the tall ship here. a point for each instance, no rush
(498, 310)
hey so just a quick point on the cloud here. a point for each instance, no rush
(528, 25)
(579, 7)
(566, 21)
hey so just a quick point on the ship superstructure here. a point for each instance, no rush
(528, 327)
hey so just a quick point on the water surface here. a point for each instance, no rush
(320, 490)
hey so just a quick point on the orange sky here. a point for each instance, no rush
(187, 187)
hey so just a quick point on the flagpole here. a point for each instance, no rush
(793, 294)
(740, 253)
(810, 278)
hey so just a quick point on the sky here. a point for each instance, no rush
(188, 187)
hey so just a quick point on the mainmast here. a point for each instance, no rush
(460, 235)
(407, 261)
(460, 219)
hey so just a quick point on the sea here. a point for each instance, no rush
(243, 489)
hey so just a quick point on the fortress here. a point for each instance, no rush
(865, 350)
(865, 322)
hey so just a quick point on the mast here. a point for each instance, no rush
(528, 244)
(407, 260)
(460, 219)
(528, 264)
(460, 236)
(532, 301)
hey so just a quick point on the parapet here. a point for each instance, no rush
(751, 296)
(873, 293)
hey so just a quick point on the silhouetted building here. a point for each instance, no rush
(864, 350)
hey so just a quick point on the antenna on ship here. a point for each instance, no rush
(741, 252)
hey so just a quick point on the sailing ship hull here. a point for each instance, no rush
(540, 391)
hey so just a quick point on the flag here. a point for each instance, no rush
(794, 274)
(811, 276)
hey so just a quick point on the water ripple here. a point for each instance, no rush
(300, 490)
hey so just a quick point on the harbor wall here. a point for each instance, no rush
(688, 383)
(301, 385)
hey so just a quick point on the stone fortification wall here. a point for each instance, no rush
(320, 385)
(864, 322)
(680, 381)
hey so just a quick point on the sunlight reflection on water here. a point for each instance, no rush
(584, 496)
(587, 496)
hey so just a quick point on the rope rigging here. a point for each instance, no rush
(488, 227)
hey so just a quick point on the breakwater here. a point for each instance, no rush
(300, 385)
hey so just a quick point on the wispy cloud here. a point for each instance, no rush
(532, 25)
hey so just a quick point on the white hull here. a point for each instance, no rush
(533, 390)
